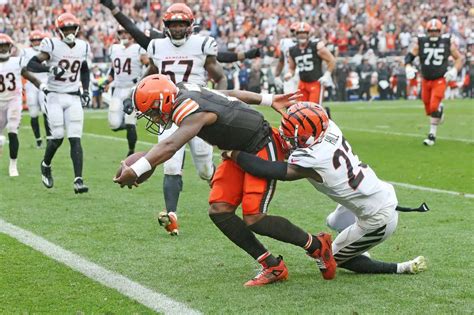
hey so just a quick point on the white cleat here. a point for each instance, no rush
(13, 171)
(415, 266)
(430, 141)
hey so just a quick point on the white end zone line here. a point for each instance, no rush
(149, 298)
(409, 186)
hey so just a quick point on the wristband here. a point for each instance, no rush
(267, 100)
(115, 11)
(141, 166)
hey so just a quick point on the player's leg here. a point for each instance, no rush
(3, 124)
(340, 219)
(172, 186)
(74, 122)
(55, 115)
(435, 109)
(201, 153)
(42, 104)
(32, 100)
(225, 196)
(115, 114)
(13, 124)
(130, 125)
(303, 91)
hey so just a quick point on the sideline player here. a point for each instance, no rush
(34, 97)
(308, 56)
(128, 59)
(11, 71)
(184, 57)
(366, 213)
(67, 64)
(282, 66)
(228, 123)
(434, 50)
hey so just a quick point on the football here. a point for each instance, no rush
(132, 159)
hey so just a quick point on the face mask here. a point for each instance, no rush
(70, 39)
(124, 42)
(36, 48)
(301, 41)
(5, 55)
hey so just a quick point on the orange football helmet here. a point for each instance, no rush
(434, 25)
(154, 98)
(67, 23)
(6, 44)
(303, 125)
(178, 12)
(294, 26)
(302, 27)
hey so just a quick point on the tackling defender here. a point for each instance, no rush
(434, 50)
(68, 70)
(11, 71)
(366, 213)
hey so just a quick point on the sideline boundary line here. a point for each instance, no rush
(405, 185)
(155, 301)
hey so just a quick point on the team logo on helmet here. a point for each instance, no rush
(67, 25)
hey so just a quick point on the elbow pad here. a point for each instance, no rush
(409, 58)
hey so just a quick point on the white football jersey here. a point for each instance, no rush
(346, 179)
(126, 64)
(186, 62)
(70, 59)
(28, 53)
(10, 78)
(285, 45)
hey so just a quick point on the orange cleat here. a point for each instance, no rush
(169, 221)
(269, 274)
(324, 257)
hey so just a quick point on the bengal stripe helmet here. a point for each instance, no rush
(304, 124)
(154, 97)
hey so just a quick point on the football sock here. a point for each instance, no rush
(131, 137)
(172, 186)
(46, 126)
(76, 156)
(51, 149)
(268, 260)
(13, 145)
(35, 126)
(364, 264)
(433, 129)
(237, 231)
(283, 230)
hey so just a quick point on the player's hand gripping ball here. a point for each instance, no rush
(132, 159)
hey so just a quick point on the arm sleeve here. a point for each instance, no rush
(128, 25)
(85, 76)
(112, 72)
(34, 65)
(261, 168)
(226, 57)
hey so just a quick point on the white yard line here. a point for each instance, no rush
(409, 186)
(149, 298)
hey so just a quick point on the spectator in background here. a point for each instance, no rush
(97, 80)
(255, 78)
(341, 75)
(383, 74)
(244, 76)
(401, 78)
(365, 72)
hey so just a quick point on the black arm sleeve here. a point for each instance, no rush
(261, 168)
(409, 58)
(85, 76)
(226, 56)
(112, 72)
(35, 65)
(130, 27)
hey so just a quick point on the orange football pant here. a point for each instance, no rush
(312, 91)
(233, 186)
(432, 93)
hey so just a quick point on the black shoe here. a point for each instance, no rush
(430, 141)
(79, 186)
(130, 152)
(46, 176)
(39, 143)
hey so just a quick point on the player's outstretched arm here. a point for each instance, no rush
(256, 166)
(127, 24)
(30, 77)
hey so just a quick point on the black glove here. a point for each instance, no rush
(128, 106)
(57, 71)
(108, 4)
(85, 99)
(252, 53)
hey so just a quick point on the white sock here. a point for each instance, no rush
(433, 129)
(44, 164)
(13, 162)
(401, 267)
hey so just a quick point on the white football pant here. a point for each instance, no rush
(10, 115)
(116, 114)
(64, 111)
(35, 99)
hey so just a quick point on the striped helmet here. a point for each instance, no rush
(304, 125)
(434, 25)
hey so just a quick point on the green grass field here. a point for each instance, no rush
(116, 228)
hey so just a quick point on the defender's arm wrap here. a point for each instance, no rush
(85, 76)
(261, 168)
(409, 58)
(227, 57)
(35, 65)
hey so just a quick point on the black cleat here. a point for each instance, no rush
(430, 141)
(130, 152)
(46, 176)
(79, 187)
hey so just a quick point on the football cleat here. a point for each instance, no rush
(324, 257)
(414, 266)
(130, 152)
(430, 141)
(79, 187)
(169, 220)
(269, 274)
(12, 170)
(39, 143)
(46, 176)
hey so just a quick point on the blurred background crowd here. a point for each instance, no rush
(369, 37)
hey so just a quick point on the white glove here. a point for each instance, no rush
(326, 79)
(410, 72)
(57, 71)
(451, 75)
(43, 88)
